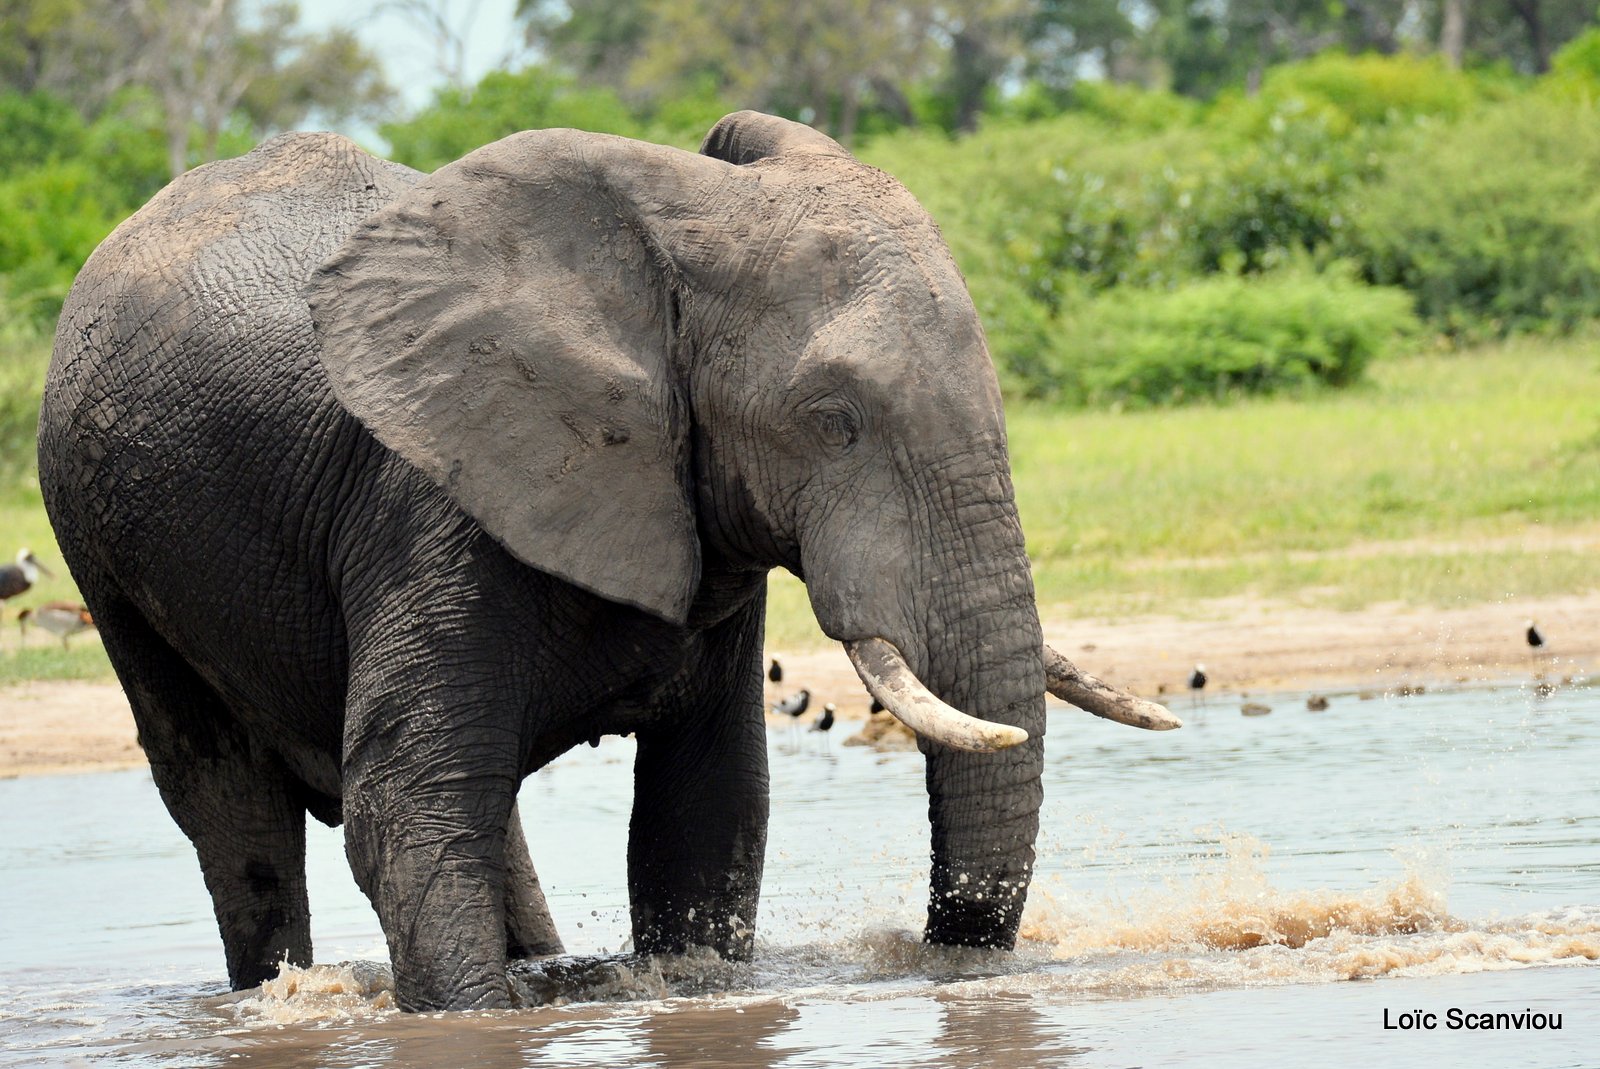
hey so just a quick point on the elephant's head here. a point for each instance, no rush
(628, 362)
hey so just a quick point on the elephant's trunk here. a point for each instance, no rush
(984, 807)
(981, 652)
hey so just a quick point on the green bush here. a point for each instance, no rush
(37, 128)
(1175, 207)
(1355, 92)
(1223, 337)
(24, 356)
(1493, 223)
(51, 218)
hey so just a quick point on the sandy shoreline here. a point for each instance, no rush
(1247, 645)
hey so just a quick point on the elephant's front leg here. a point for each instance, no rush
(430, 780)
(698, 834)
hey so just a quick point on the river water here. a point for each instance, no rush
(1262, 890)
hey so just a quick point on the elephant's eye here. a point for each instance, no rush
(836, 427)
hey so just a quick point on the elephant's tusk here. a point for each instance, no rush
(1063, 679)
(890, 680)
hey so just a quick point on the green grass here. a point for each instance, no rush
(23, 523)
(86, 659)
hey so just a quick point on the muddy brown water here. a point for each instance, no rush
(1247, 891)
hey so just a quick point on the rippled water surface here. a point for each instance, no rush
(1246, 891)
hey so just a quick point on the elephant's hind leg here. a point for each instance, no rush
(530, 930)
(233, 801)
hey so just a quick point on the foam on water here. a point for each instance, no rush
(1226, 926)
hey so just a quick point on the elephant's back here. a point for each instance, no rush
(188, 440)
(185, 339)
(218, 256)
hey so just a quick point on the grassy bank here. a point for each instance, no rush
(1446, 478)
(1422, 486)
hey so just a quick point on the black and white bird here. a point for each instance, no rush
(1197, 678)
(1535, 639)
(825, 721)
(61, 618)
(17, 578)
(775, 673)
(875, 708)
(794, 706)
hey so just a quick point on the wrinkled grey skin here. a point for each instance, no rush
(386, 489)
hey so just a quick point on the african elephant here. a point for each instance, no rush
(386, 489)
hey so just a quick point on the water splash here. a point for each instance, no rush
(348, 991)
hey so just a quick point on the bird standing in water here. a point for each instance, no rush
(1197, 683)
(1535, 639)
(824, 723)
(794, 706)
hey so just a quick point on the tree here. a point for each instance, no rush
(28, 30)
(202, 58)
(598, 40)
(1067, 39)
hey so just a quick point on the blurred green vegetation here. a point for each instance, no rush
(1254, 300)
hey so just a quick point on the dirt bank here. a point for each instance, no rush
(1246, 646)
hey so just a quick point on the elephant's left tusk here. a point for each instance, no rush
(1063, 679)
(883, 669)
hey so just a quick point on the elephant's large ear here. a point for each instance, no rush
(509, 327)
(748, 136)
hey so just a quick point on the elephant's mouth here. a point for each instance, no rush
(890, 679)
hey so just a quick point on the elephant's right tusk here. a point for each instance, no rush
(890, 680)
(1063, 679)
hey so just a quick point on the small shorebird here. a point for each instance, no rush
(825, 721)
(795, 706)
(824, 724)
(17, 578)
(61, 618)
(1197, 684)
(1535, 639)
(775, 673)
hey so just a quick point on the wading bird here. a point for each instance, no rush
(795, 706)
(824, 724)
(775, 673)
(61, 618)
(17, 578)
(1197, 683)
(1535, 639)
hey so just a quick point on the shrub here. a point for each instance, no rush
(1174, 207)
(54, 216)
(1357, 91)
(24, 355)
(1494, 223)
(1223, 337)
